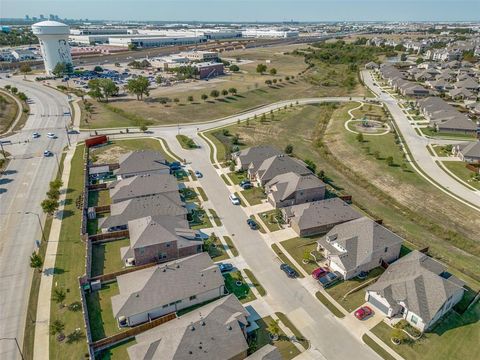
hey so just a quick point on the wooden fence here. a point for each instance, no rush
(114, 235)
(94, 187)
(474, 168)
(81, 282)
(102, 209)
(130, 333)
(113, 276)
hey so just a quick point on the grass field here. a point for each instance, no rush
(216, 219)
(333, 309)
(8, 111)
(186, 142)
(270, 220)
(253, 279)
(255, 195)
(392, 193)
(106, 257)
(297, 247)
(69, 265)
(446, 135)
(231, 246)
(116, 148)
(218, 252)
(455, 338)
(459, 169)
(242, 292)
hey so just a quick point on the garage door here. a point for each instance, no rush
(383, 308)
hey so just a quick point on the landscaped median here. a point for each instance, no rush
(186, 142)
(255, 282)
(377, 348)
(329, 305)
(286, 321)
(215, 217)
(230, 244)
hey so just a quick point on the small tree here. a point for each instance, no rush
(159, 79)
(236, 139)
(53, 194)
(25, 69)
(310, 165)
(390, 161)
(190, 98)
(13, 90)
(268, 82)
(56, 184)
(273, 71)
(234, 68)
(215, 94)
(321, 175)
(261, 68)
(289, 149)
(204, 97)
(60, 69)
(57, 327)
(36, 261)
(224, 92)
(376, 153)
(360, 138)
(59, 295)
(232, 91)
(22, 96)
(98, 68)
(273, 328)
(143, 128)
(49, 206)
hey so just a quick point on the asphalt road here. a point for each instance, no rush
(22, 188)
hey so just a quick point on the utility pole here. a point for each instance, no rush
(68, 136)
(39, 221)
(18, 346)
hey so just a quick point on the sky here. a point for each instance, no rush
(248, 10)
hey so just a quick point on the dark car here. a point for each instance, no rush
(329, 279)
(244, 182)
(246, 186)
(224, 267)
(287, 269)
(253, 225)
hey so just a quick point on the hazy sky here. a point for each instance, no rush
(248, 10)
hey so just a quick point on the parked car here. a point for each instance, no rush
(35, 135)
(329, 279)
(235, 200)
(363, 312)
(319, 272)
(287, 269)
(244, 182)
(253, 225)
(198, 174)
(47, 153)
(246, 186)
(224, 267)
(51, 135)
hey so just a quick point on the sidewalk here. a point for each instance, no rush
(42, 336)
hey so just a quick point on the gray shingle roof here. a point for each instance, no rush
(416, 280)
(141, 161)
(162, 204)
(471, 149)
(212, 332)
(358, 242)
(148, 289)
(281, 164)
(255, 155)
(285, 185)
(138, 186)
(321, 213)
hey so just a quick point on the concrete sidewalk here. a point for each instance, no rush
(42, 335)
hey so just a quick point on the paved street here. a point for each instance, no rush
(22, 188)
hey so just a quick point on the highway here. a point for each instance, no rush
(22, 188)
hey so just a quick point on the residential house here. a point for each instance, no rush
(216, 331)
(277, 165)
(160, 239)
(253, 157)
(359, 245)
(468, 84)
(141, 162)
(292, 189)
(416, 288)
(462, 94)
(371, 65)
(155, 291)
(123, 212)
(468, 152)
(141, 186)
(318, 217)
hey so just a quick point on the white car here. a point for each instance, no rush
(35, 135)
(51, 135)
(235, 200)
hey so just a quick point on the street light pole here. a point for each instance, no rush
(39, 221)
(16, 342)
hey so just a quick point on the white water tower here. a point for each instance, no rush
(53, 38)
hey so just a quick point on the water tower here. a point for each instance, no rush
(53, 38)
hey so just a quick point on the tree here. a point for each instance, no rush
(419, 60)
(261, 68)
(95, 90)
(273, 328)
(56, 184)
(98, 68)
(311, 165)
(234, 68)
(215, 93)
(289, 149)
(321, 175)
(236, 139)
(143, 128)
(268, 82)
(8, 87)
(138, 86)
(60, 69)
(232, 91)
(390, 161)
(224, 92)
(25, 69)
(376, 154)
(273, 71)
(49, 206)
(59, 295)
(57, 327)
(190, 98)
(159, 79)
(204, 97)
(360, 137)
(274, 81)
(13, 90)
(132, 47)
(109, 88)
(36, 261)
(22, 96)
(53, 194)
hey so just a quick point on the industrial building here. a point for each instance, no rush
(269, 33)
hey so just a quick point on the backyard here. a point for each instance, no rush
(106, 257)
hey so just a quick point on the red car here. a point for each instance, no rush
(318, 273)
(363, 312)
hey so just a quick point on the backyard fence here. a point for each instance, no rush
(113, 276)
(114, 235)
(82, 281)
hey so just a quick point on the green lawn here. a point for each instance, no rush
(460, 170)
(69, 265)
(100, 314)
(254, 195)
(98, 198)
(225, 179)
(285, 260)
(355, 299)
(218, 252)
(186, 142)
(221, 153)
(446, 135)
(237, 176)
(242, 292)
(231, 246)
(328, 304)
(200, 220)
(286, 321)
(261, 337)
(255, 282)
(259, 225)
(202, 193)
(117, 352)
(455, 338)
(442, 150)
(216, 219)
(106, 257)
(377, 348)
(271, 220)
(297, 247)
(115, 148)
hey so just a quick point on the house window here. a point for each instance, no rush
(168, 245)
(164, 306)
(142, 251)
(414, 319)
(193, 297)
(162, 255)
